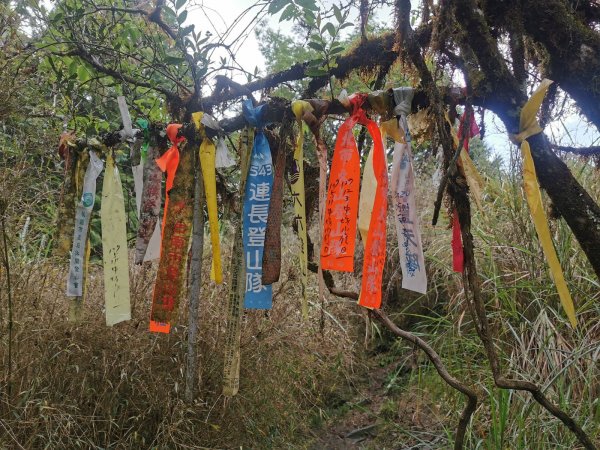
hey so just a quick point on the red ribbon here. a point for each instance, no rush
(458, 258)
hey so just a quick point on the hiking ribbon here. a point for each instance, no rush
(176, 232)
(169, 163)
(297, 180)
(341, 208)
(207, 164)
(256, 210)
(408, 231)
(83, 213)
(114, 246)
(237, 287)
(529, 126)
(147, 244)
(370, 293)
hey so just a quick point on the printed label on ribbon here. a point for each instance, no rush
(412, 261)
(82, 220)
(177, 230)
(237, 287)
(341, 208)
(298, 195)
(147, 245)
(114, 247)
(256, 210)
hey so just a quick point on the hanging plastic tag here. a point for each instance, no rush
(114, 247)
(410, 247)
(82, 220)
(256, 210)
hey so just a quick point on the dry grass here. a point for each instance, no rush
(86, 385)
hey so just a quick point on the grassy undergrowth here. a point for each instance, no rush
(88, 386)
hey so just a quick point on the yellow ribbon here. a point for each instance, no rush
(298, 108)
(207, 164)
(529, 126)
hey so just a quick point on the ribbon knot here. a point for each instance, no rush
(403, 97)
(253, 115)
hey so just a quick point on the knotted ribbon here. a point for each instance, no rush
(410, 247)
(299, 107)
(256, 210)
(169, 162)
(176, 233)
(207, 165)
(529, 126)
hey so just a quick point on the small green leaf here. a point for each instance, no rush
(338, 14)
(179, 4)
(73, 68)
(181, 17)
(187, 30)
(288, 13)
(310, 5)
(346, 25)
(329, 28)
(309, 17)
(83, 74)
(336, 50)
(173, 60)
(316, 46)
(276, 6)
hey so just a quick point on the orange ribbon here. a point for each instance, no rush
(169, 161)
(370, 293)
(341, 207)
(341, 210)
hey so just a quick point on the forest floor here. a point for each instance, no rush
(383, 410)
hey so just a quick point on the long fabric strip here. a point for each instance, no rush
(68, 196)
(271, 262)
(256, 210)
(82, 221)
(76, 304)
(169, 163)
(207, 165)
(177, 230)
(529, 126)
(375, 251)
(298, 194)
(341, 209)
(237, 287)
(114, 247)
(147, 244)
(410, 247)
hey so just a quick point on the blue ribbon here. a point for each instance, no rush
(257, 197)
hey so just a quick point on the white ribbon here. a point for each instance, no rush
(83, 213)
(412, 261)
